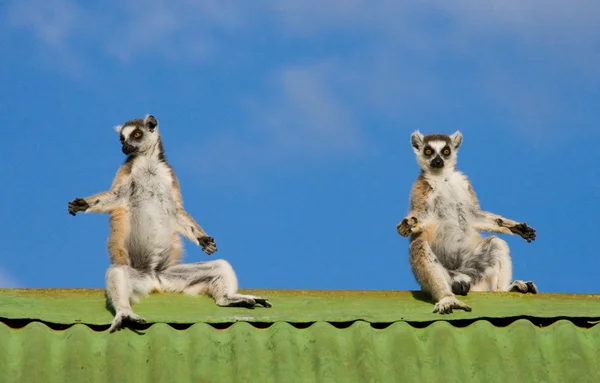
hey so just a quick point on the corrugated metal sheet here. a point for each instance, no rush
(308, 336)
(440, 352)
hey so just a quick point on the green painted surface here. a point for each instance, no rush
(360, 353)
(88, 306)
(280, 352)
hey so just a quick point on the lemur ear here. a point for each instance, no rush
(150, 122)
(416, 140)
(456, 139)
(118, 128)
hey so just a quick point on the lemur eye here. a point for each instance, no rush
(428, 152)
(137, 135)
(446, 152)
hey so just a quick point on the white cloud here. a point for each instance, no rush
(299, 118)
(178, 30)
(393, 64)
(307, 116)
(52, 22)
(55, 24)
(132, 26)
(7, 281)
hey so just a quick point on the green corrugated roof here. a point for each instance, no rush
(307, 336)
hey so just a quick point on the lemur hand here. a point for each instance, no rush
(526, 232)
(78, 204)
(208, 244)
(521, 229)
(404, 228)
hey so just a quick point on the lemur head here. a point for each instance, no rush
(436, 152)
(138, 135)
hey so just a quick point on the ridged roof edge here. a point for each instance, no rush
(88, 306)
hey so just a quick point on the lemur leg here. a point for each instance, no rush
(125, 285)
(213, 278)
(119, 231)
(433, 278)
(491, 266)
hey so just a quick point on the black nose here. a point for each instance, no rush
(128, 149)
(437, 162)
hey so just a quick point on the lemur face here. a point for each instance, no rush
(436, 151)
(138, 135)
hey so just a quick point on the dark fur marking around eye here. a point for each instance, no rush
(137, 130)
(444, 151)
(426, 149)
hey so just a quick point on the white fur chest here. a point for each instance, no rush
(151, 200)
(450, 199)
(151, 178)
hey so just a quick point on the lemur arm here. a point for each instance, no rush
(103, 202)
(414, 223)
(187, 226)
(494, 223)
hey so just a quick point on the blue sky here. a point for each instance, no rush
(288, 124)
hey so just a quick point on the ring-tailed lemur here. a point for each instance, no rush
(447, 254)
(146, 218)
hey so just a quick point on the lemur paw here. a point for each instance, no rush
(404, 228)
(78, 204)
(523, 287)
(208, 244)
(121, 316)
(526, 232)
(262, 301)
(521, 229)
(447, 304)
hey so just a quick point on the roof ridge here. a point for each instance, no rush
(584, 323)
(72, 306)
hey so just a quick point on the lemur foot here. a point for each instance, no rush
(208, 244)
(447, 304)
(78, 204)
(122, 316)
(262, 301)
(460, 287)
(239, 300)
(405, 227)
(523, 287)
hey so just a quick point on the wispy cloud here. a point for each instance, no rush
(299, 117)
(52, 22)
(55, 24)
(177, 30)
(133, 26)
(7, 281)
(387, 58)
(305, 114)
